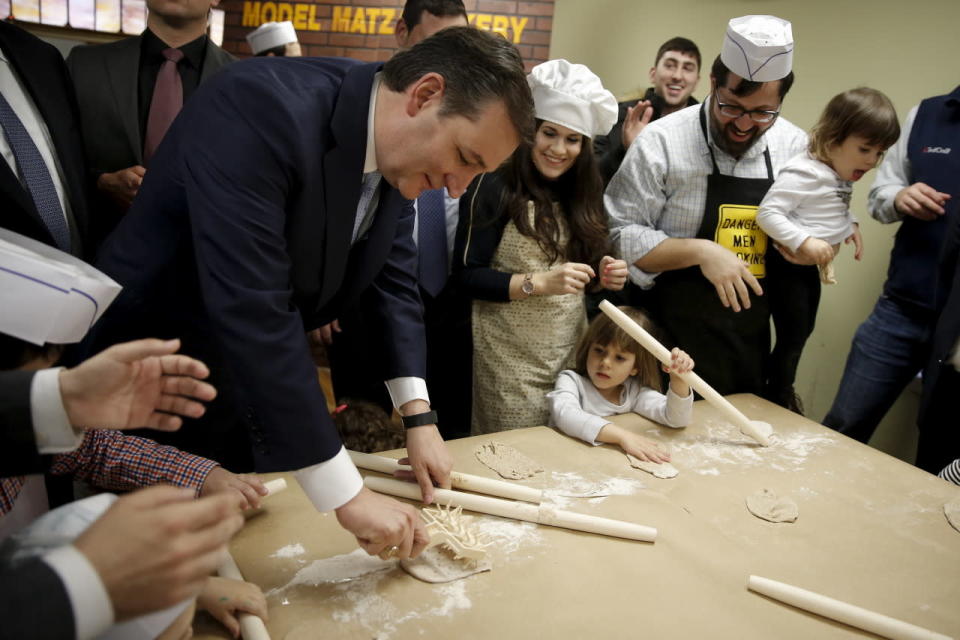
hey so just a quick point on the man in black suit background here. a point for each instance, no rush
(125, 96)
(42, 179)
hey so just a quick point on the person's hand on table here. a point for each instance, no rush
(247, 487)
(427, 454)
(383, 526)
(729, 275)
(225, 599)
(636, 445)
(156, 547)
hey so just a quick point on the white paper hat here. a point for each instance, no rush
(758, 48)
(573, 96)
(270, 35)
(47, 295)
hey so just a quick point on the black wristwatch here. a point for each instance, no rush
(419, 419)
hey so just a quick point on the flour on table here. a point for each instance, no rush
(342, 568)
(507, 461)
(289, 551)
(952, 511)
(767, 505)
(437, 564)
(658, 469)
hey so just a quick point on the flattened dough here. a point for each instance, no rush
(658, 469)
(952, 511)
(436, 565)
(507, 461)
(767, 505)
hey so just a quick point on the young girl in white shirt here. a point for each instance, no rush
(614, 375)
(807, 213)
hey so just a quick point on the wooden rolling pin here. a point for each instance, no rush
(458, 480)
(661, 353)
(852, 615)
(251, 627)
(274, 486)
(517, 510)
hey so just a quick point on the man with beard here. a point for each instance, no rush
(683, 206)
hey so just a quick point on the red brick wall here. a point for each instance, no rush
(363, 29)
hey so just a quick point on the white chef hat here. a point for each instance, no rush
(271, 35)
(758, 48)
(48, 295)
(573, 96)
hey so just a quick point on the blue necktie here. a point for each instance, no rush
(432, 241)
(33, 171)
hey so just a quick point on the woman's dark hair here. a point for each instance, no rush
(578, 194)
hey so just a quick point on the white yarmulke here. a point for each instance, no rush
(270, 35)
(573, 96)
(758, 48)
(48, 295)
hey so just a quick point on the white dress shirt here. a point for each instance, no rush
(334, 482)
(893, 175)
(660, 190)
(807, 199)
(92, 609)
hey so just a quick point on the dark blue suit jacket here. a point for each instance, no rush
(239, 241)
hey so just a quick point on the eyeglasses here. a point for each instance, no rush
(757, 115)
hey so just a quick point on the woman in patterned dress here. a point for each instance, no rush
(533, 239)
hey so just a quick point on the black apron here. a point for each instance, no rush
(730, 348)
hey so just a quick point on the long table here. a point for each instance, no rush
(871, 532)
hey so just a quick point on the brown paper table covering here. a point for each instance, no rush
(871, 532)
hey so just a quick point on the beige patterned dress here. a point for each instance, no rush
(519, 347)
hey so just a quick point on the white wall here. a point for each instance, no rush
(909, 50)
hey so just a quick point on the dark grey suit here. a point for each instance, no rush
(106, 79)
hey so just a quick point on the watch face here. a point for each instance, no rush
(527, 287)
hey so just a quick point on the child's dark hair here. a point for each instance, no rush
(365, 427)
(604, 331)
(862, 112)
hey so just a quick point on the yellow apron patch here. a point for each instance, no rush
(738, 231)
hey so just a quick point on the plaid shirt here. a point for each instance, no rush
(110, 460)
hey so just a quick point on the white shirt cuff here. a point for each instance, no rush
(92, 609)
(332, 483)
(403, 390)
(50, 423)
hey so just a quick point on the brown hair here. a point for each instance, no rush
(579, 194)
(604, 331)
(680, 45)
(365, 427)
(479, 68)
(862, 112)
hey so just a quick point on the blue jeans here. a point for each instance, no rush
(888, 350)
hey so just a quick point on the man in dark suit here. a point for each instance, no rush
(45, 200)
(266, 214)
(446, 313)
(127, 101)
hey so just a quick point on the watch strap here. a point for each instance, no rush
(419, 419)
